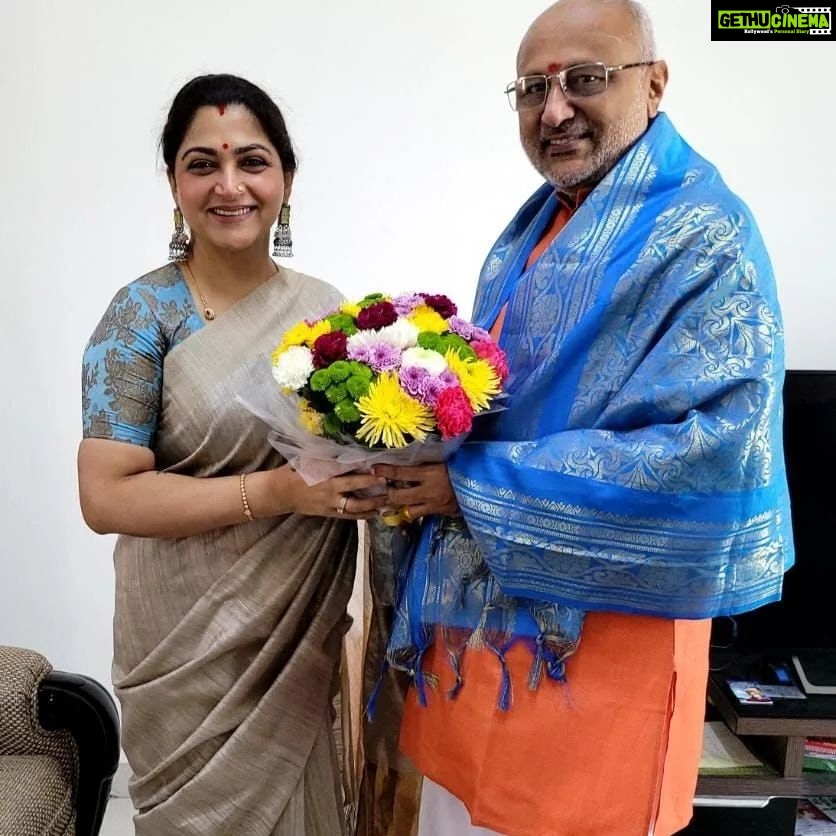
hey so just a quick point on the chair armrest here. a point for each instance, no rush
(21, 671)
(84, 708)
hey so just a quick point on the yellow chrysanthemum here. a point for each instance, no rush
(350, 308)
(424, 318)
(310, 419)
(389, 414)
(301, 334)
(477, 377)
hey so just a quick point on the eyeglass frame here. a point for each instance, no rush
(561, 77)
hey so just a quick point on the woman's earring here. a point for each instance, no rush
(282, 242)
(178, 248)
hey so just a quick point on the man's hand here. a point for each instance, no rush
(421, 490)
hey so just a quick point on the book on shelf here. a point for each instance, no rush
(820, 754)
(723, 753)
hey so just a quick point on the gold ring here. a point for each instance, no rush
(342, 503)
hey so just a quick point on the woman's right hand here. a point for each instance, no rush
(336, 497)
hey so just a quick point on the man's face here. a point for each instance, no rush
(574, 142)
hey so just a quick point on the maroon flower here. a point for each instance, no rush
(378, 315)
(329, 348)
(441, 304)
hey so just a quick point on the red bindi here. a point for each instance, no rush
(222, 109)
(225, 147)
(553, 68)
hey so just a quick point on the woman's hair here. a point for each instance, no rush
(222, 90)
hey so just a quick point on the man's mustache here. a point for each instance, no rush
(570, 129)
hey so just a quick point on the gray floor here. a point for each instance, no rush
(117, 820)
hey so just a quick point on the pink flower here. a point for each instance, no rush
(454, 413)
(490, 351)
(378, 315)
(328, 349)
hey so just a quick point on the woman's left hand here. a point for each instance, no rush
(420, 490)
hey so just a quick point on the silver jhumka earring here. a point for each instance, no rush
(282, 242)
(178, 248)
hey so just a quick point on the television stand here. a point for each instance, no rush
(775, 732)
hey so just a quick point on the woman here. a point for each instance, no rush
(232, 575)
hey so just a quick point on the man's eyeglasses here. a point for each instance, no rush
(576, 82)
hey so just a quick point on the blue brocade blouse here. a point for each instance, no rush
(122, 370)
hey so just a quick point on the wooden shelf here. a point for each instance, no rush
(772, 726)
(776, 734)
(763, 786)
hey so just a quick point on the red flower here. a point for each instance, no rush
(441, 304)
(329, 348)
(378, 315)
(453, 412)
(490, 351)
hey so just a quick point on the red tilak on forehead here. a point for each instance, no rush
(225, 146)
(554, 68)
(222, 109)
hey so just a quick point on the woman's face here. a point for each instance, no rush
(228, 180)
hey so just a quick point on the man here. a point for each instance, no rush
(562, 589)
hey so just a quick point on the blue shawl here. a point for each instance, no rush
(638, 467)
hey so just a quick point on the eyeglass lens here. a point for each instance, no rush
(580, 81)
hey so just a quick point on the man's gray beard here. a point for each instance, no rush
(618, 139)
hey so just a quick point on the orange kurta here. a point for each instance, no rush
(613, 751)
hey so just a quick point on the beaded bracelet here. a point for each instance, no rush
(244, 501)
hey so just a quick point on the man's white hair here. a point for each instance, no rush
(646, 42)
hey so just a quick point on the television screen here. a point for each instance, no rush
(804, 616)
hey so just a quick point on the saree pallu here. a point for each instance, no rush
(227, 643)
(638, 467)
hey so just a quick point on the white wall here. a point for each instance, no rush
(402, 184)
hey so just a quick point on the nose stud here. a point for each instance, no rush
(240, 187)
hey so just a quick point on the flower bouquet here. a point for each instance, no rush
(386, 379)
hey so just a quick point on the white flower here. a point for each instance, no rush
(360, 340)
(293, 367)
(401, 334)
(424, 358)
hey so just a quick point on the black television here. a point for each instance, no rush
(804, 617)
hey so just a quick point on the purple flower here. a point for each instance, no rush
(411, 378)
(359, 353)
(467, 330)
(461, 327)
(449, 379)
(426, 387)
(383, 357)
(430, 389)
(480, 334)
(406, 303)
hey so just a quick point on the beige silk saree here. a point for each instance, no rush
(227, 643)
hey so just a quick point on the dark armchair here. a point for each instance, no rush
(59, 748)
